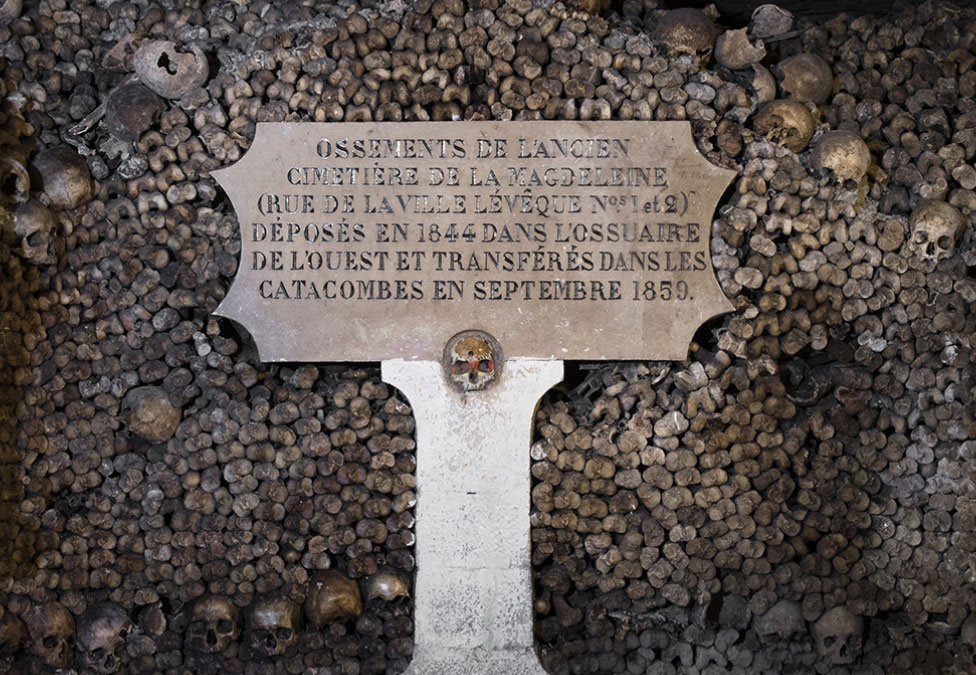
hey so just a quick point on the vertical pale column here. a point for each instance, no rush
(473, 593)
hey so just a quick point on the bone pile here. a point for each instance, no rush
(796, 497)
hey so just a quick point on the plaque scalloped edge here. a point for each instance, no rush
(315, 328)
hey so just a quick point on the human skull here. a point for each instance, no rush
(936, 228)
(13, 635)
(130, 110)
(769, 20)
(387, 584)
(213, 625)
(169, 70)
(785, 122)
(332, 596)
(686, 30)
(838, 635)
(102, 630)
(14, 179)
(273, 625)
(63, 176)
(734, 50)
(806, 78)
(36, 225)
(472, 360)
(967, 636)
(844, 153)
(782, 620)
(760, 81)
(52, 632)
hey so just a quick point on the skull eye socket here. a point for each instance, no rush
(944, 242)
(282, 633)
(486, 365)
(50, 641)
(460, 367)
(225, 626)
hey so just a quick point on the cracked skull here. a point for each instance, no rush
(838, 635)
(273, 625)
(102, 630)
(472, 360)
(213, 625)
(52, 631)
(936, 228)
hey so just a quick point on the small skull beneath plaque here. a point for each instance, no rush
(472, 360)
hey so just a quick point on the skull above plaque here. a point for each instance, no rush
(472, 360)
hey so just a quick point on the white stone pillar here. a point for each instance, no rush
(473, 593)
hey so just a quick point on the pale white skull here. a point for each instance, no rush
(838, 634)
(936, 228)
(213, 625)
(52, 631)
(472, 360)
(35, 225)
(102, 631)
(273, 625)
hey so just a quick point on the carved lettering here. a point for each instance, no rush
(569, 240)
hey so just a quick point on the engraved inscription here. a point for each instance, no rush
(569, 240)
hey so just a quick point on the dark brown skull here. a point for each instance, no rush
(213, 625)
(13, 635)
(36, 226)
(52, 631)
(686, 30)
(387, 584)
(273, 625)
(806, 78)
(102, 631)
(332, 596)
(63, 176)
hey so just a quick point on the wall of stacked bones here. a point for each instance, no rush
(798, 496)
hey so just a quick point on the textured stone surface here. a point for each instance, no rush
(474, 587)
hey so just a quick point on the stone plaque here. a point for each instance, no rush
(565, 240)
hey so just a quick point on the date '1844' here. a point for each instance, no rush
(568, 240)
